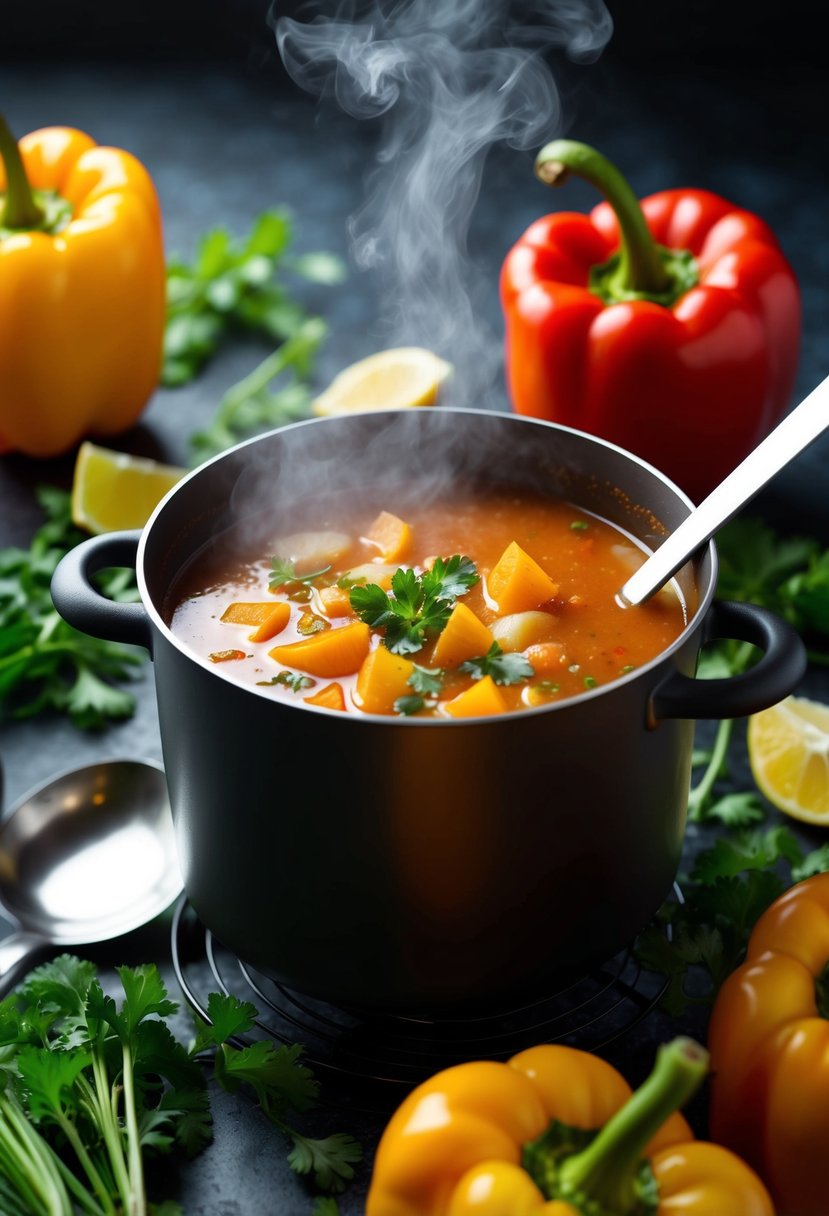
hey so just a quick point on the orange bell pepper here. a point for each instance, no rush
(82, 290)
(769, 1039)
(556, 1132)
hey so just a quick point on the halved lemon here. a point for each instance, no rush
(788, 747)
(392, 379)
(112, 491)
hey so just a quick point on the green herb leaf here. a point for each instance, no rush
(427, 680)
(737, 810)
(330, 1160)
(45, 664)
(235, 285)
(504, 668)
(290, 679)
(407, 706)
(283, 571)
(419, 605)
(815, 862)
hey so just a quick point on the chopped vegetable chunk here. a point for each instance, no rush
(382, 678)
(335, 601)
(337, 652)
(483, 698)
(464, 637)
(390, 535)
(517, 582)
(330, 697)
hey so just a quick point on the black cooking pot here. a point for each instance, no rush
(413, 864)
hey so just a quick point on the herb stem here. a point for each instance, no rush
(103, 1096)
(699, 796)
(70, 1131)
(34, 1172)
(138, 1200)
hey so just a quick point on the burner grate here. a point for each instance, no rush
(388, 1054)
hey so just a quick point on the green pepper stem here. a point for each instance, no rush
(641, 269)
(604, 1173)
(20, 209)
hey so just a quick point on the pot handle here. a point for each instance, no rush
(773, 678)
(81, 604)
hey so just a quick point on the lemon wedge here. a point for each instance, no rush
(788, 748)
(112, 491)
(392, 379)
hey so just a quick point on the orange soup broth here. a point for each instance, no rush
(587, 559)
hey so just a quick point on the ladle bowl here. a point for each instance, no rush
(86, 857)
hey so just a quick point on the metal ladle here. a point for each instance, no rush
(84, 858)
(797, 430)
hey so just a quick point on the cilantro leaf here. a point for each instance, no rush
(331, 1160)
(283, 571)
(144, 993)
(45, 664)
(276, 1075)
(291, 679)
(753, 850)
(419, 605)
(449, 579)
(407, 706)
(326, 1206)
(235, 285)
(815, 862)
(228, 1017)
(504, 668)
(737, 810)
(427, 680)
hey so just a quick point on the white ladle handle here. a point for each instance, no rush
(16, 953)
(797, 430)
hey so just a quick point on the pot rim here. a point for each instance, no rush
(400, 720)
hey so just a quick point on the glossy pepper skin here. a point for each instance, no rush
(82, 290)
(455, 1146)
(683, 349)
(769, 1039)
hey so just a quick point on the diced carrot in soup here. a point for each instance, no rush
(391, 535)
(330, 697)
(335, 601)
(482, 699)
(546, 658)
(337, 652)
(241, 612)
(464, 637)
(382, 678)
(517, 582)
(274, 623)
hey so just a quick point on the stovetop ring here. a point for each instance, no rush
(377, 1057)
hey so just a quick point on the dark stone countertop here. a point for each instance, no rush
(225, 140)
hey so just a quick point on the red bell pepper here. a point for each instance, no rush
(670, 328)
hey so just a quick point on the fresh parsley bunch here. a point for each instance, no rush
(420, 604)
(88, 1087)
(45, 664)
(234, 285)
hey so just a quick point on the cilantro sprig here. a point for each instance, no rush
(283, 573)
(426, 683)
(729, 887)
(45, 664)
(234, 285)
(91, 1090)
(503, 668)
(419, 604)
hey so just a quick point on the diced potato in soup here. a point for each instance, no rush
(309, 550)
(497, 603)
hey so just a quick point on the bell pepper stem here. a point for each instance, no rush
(642, 269)
(604, 1173)
(20, 209)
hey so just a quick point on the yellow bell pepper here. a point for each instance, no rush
(82, 290)
(769, 1039)
(556, 1132)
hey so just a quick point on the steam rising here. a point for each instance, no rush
(446, 79)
